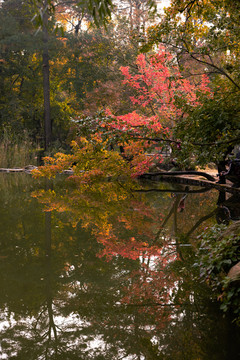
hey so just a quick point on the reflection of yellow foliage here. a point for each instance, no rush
(97, 198)
(34, 57)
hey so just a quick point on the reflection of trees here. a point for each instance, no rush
(64, 302)
(48, 275)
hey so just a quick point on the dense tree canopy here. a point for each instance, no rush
(84, 64)
(199, 38)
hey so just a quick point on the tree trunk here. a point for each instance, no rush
(46, 81)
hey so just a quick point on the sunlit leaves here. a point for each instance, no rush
(90, 160)
(203, 32)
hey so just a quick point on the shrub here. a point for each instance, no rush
(219, 251)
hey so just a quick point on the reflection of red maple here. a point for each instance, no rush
(149, 290)
(127, 225)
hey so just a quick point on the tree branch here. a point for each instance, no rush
(219, 70)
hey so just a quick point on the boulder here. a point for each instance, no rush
(234, 272)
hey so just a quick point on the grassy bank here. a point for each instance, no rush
(17, 151)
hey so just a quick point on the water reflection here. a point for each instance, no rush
(106, 273)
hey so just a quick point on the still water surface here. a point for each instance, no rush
(106, 273)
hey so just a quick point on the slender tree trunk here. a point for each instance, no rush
(46, 81)
(131, 16)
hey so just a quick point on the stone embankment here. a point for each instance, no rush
(27, 169)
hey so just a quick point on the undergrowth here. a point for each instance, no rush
(17, 150)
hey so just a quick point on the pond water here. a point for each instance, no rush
(106, 272)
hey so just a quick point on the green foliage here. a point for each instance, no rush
(99, 9)
(219, 251)
(213, 125)
(21, 92)
(84, 72)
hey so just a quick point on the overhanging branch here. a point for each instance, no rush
(178, 142)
